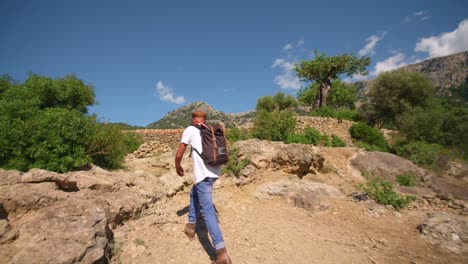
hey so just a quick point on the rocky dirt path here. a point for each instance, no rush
(273, 231)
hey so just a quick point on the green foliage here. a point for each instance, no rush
(429, 155)
(337, 142)
(325, 69)
(109, 146)
(423, 124)
(274, 119)
(371, 138)
(338, 113)
(310, 136)
(394, 93)
(406, 179)
(341, 95)
(236, 134)
(132, 141)
(235, 163)
(44, 125)
(382, 192)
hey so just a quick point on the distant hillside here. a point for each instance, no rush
(181, 117)
(443, 72)
(124, 126)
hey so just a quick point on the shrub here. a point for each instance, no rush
(236, 134)
(132, 141)
(235, 164)
(45, 125)
(297, 138)
(428, 155)
(311, 136)
(406, 179)
(337, 142)
(274, 126)
(382, 192)
(371, 137)
(338, 113)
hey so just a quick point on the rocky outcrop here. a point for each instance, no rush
(297, 159)
(448, 231)
(304, 194)
(47, 217)
(387, 166)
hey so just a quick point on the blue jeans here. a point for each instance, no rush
(201, 200)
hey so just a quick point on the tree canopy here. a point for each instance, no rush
(324, 69)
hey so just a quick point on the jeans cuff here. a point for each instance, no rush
(219, 246)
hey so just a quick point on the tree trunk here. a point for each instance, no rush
(324, 89)
(318, 99)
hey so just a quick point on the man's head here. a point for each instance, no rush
(198, 117)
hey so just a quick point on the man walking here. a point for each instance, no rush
(201, 194)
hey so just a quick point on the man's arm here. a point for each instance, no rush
(178, 159)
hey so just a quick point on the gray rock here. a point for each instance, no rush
(448, 231)
(304, 194)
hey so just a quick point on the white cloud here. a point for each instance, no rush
(369, 49)
(166, 94)
(446, 43)
(419, 13)
(300, 43)
(287, 79)
(394, 62)
(288, 46)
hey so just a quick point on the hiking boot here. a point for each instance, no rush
(189, 230)
(222, 257)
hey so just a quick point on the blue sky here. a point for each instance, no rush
(146, 58)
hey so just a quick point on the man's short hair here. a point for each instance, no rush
(198, 113)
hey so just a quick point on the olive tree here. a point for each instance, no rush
(324, 69)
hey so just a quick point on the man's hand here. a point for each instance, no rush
(178, 159)
(180, 170)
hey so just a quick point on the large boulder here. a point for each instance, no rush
(388, 166)
(304, 194)
(48, 217)
(448, 231)
(296, 159)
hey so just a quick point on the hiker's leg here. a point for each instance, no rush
(194, 205)
(205, 196)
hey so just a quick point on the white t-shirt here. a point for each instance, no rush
(191, 136)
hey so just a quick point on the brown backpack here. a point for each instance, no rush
(214, 144)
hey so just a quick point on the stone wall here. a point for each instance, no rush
(326, 125)
(157, 141)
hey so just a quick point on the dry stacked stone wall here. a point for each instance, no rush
(326, 125)
(157, 141)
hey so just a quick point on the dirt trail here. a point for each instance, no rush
(272, 231)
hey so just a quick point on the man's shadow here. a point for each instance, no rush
(202, 232)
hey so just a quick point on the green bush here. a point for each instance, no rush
(338, 113)
(382, 192)
(406, 179)
(274, 126)
(297, 138)
(311, 136)
(132, 141)
(427, 155)
(235, 164)
(337, 142)
(109, 146)
(370, 137)
(274, 119)
(236, 134)
(45, 125)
